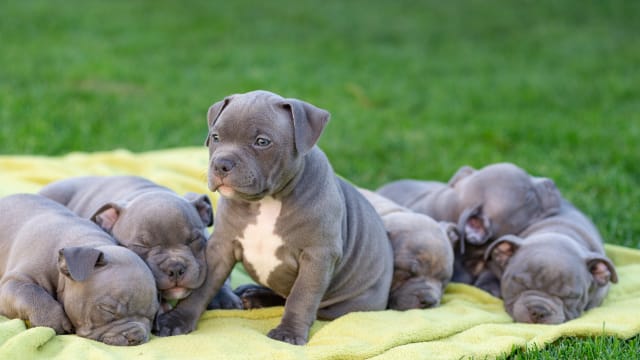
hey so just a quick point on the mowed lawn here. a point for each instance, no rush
(416, 89)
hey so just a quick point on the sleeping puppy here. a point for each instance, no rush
(167, 231)
(423, 256)
(496, 200)
(61, 271)
(422, 266)
(554, 270)
(296, 227)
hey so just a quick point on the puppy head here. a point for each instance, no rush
(423, 261)
(501, 199)
(168, 232)
(548, 278)
(109, 294)
(257, 141)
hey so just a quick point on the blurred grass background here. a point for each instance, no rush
(416, 88)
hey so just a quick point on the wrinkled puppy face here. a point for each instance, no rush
(501, 199)
(256, 141)
(423, 266)
(169, 234)
(549, 280)
(117, 303)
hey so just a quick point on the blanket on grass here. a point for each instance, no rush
(469, 323)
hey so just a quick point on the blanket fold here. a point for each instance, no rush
(470, 322)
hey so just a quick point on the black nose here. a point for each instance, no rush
(223, 166)
(427, 300)
(175, 271)
(538, 313)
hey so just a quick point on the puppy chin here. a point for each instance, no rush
(226, 191)
(175, 293)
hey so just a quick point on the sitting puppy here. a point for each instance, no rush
(423, 260)
(553, 270)
(423, 256)
(297, 228)
(496, 200)
(167, 231)
(61, 271)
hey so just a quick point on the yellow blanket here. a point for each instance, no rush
(468, 323)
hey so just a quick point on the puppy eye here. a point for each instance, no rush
(197, 244)
(215, 138)
(262, 142)
(139, 248)
(107, 309)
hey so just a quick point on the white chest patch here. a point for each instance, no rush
(259, 241)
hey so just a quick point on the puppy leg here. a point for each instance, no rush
(28, 301)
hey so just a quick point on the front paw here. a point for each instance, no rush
(54, 318)
(288, 335)
(174, 322)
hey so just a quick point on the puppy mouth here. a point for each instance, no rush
(175, 293)
(234, 191)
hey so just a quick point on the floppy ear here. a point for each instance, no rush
(462, 173)
(451, 230)
(202, 203)
(308, 123)
(500, 251)
(77, 263)
(550, 198)
(602, 269)
(475, 226)
(214, 112)
(107, 215)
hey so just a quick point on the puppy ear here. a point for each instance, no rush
(602, 270)
(451, 230)
(214, 112)
(202, 203)
(475, 225)
(462, 173)
(500, 251)
(107, 215)
(308, 123)
(77, 263)
(550, 198)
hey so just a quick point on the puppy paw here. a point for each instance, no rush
(174, 322)
(256, 297)
(225, 299)
(54, 318)
(287, 335)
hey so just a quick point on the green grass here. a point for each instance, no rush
(416, 88)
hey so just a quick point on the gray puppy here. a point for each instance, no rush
(296, 227)
(553, 270)
(61, 271)
(423, 260)
(496, 200)
(166, 230)
(423, 256)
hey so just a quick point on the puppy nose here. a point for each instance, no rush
(175, 271)
(136, 336)
(427, 301)
(223, 166)
(538, 313)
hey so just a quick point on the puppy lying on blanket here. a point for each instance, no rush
(296, 227)
(423, 260)
(553, 270)
(496, 200)
(166, 230)
(61, 271)
(423, 256)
